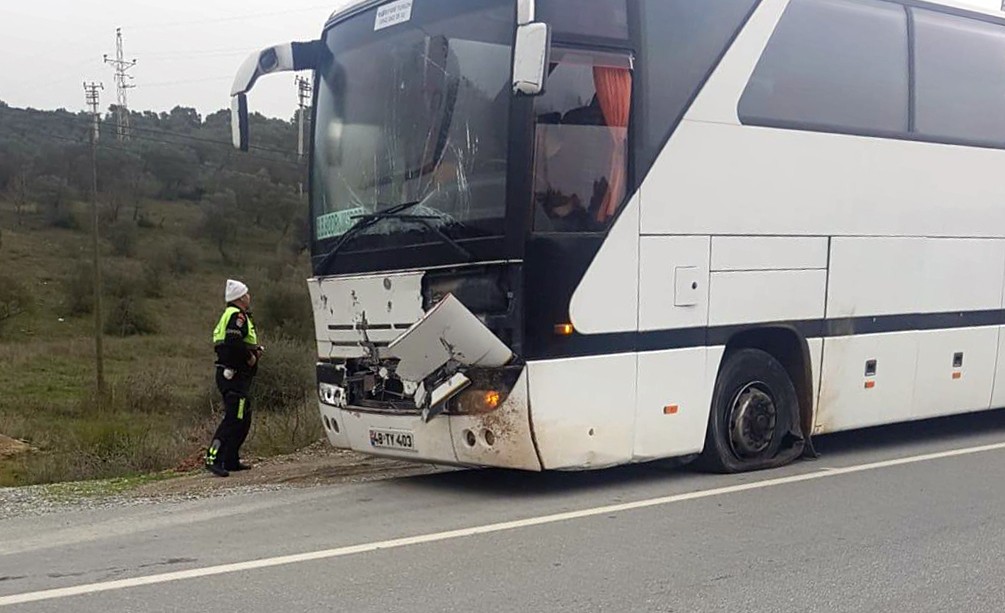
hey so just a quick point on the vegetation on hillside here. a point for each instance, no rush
(180, 212)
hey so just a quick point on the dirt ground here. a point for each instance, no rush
(318, 464)
(10, 447)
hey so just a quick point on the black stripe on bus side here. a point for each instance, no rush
(584, 345)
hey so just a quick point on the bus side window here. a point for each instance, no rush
(581, 142)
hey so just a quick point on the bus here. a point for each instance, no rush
(575, 234)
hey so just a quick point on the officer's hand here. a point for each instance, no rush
(252, 359)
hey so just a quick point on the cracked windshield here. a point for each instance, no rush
(415, 115)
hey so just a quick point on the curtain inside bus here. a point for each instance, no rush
(614, 93)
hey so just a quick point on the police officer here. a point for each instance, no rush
(237, 355)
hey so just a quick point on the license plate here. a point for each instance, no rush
(400, 440)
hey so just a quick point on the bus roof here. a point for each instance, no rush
(355, 6)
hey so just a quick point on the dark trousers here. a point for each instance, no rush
(233, 429)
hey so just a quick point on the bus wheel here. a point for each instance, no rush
(753, 406)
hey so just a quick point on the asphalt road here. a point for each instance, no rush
(897, 519)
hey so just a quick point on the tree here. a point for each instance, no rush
(172, 155)
(173, 166)
(219, 222)
(54, 194)
(18, 193)
(183, 119)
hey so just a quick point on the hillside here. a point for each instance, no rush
(179, 215)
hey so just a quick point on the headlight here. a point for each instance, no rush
(478, 402)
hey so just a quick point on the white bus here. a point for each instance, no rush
(572, 234)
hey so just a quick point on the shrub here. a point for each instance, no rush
(54, 195)
(62, 217)
(182, 257)
(119, 282)
(124, 239)
(129, 315)
(279, 433)
(154, 278)
(285, 310)
(285, 376)
(79, 290)
(15, 299)
(144, 222)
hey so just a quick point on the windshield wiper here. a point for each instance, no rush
(443, 236)
(365, 221)
(369, 220)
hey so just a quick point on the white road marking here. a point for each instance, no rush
(339, 552)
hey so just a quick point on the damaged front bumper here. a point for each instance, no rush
(450, 394)
(500, 437)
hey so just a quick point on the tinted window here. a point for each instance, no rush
(682, 42)
(833, 64)
(959, 78)
(600, 18)
(581, 142)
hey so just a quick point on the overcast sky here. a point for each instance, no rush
(187, 51)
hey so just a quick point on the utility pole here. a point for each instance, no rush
(93, 101)
(93, 96)
(122, 85)
(304, 93)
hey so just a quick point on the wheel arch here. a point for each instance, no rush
(791, 349)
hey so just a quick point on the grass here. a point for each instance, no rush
(281, 433)
(161, 406)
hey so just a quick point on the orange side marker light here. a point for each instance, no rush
(671, 409)
(870, 384)
(564, 329)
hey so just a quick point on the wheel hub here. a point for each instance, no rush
(752, 420)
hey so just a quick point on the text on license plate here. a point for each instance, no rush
(392, 439)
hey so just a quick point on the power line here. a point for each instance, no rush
(185, 81)
(243, 17)
(195, 52)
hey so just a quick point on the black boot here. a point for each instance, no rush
(218, 470)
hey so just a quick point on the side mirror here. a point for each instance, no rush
(287, 57)
(239, 121)
(531, 56)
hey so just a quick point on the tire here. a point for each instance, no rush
(754, 406)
